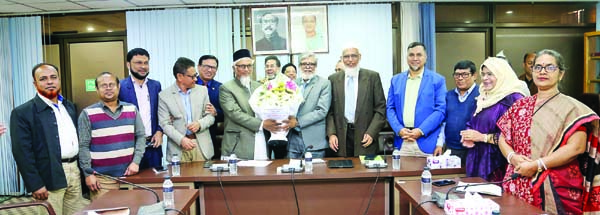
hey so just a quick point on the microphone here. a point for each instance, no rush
(93, 172)
(440, 201)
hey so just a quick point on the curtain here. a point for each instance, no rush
(21, 42)
(427, 28)
(191, 33)
(409, 28)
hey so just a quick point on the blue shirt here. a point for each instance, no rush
(185, 97)
(213, 95)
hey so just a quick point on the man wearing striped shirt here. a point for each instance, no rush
(111, 137)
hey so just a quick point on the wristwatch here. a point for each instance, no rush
(539, 166)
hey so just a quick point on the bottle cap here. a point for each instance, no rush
(426, 168)
(167, 177)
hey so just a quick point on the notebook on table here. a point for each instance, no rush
(340, 164)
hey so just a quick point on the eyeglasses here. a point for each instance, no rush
(209, 67)
(350, 56)
(462, 75)
(192, 76)
(108, 86)
(549, 68)
(308, 64)
(244, 66)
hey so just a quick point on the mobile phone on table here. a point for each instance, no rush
(160, 169)
(444, 182)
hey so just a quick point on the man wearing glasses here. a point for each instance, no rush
(241, 124)
(460, 105)
(416, 105)
(357, 112)
(185, 114)
(112, 137)
(207, 68)
(527, 69)
(142, 91)
(271, 40)
(312, 113)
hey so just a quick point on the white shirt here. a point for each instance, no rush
(67, 134)
(143, 99)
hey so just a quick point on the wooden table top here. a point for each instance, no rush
(508, 204)
(195, 172)
(133, 199)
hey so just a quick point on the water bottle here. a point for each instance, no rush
(175, 165)
(308, 165)
(426, 182)
(232, 164)
(396, 159)
(168, 197)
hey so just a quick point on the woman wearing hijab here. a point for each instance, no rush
(551, 140)
(499, 89)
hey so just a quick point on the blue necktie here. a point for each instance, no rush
(350, 101)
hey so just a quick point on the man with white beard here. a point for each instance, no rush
(357, 112)
(312, 113)
(241, 124)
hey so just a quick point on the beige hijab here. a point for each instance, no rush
(507, 83)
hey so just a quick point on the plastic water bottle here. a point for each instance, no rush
(426, 182)
(232, 164)
(396, 159)
(308, 165)
(175, 165)
(168, 197)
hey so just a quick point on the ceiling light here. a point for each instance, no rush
(90, 29)
(468, 21)
(109, 30)
(509, 12)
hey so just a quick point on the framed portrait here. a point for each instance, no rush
(309, 29)
(270, 30)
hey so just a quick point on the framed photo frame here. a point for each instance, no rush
(309, 29)
(270, 30)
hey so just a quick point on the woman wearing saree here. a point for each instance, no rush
(544, 139)
(500, 88)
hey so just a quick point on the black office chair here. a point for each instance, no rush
(44, 204)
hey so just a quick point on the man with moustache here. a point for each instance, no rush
(207, 69)
(45, 145)
(279, 149)
(271, 40)
(112, 137)
(416, 105)
(312, 113)
(272, 67)
(460, 106)
(241, 124)
(142, 91)
(356, 116)
(526, 76)
(185, 114)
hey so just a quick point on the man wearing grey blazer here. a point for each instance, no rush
(185, 115)
(241, 124)
(312, 113)
(357, 112)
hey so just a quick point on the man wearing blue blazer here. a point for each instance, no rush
(141, 91)
(416, 105)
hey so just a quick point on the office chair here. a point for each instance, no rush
(44, 204)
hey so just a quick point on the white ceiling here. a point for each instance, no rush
(26, 7)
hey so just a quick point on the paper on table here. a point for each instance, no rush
(254, 163)
(488, 189)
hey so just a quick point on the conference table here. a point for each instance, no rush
(264, 190)
(411, 191)
(133, 199)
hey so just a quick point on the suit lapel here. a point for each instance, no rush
(424, 82)
(363, 87)
(178, 101)
(340, 93)
(131, 91)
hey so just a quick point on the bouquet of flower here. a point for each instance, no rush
(276, 99)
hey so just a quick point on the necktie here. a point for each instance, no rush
(350, 101)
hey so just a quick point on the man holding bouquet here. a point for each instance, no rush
(241, 124)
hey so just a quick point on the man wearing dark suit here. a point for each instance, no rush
(357, 112)
(271, 40)
(142, 91)
(45, 144)
(207, 69)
